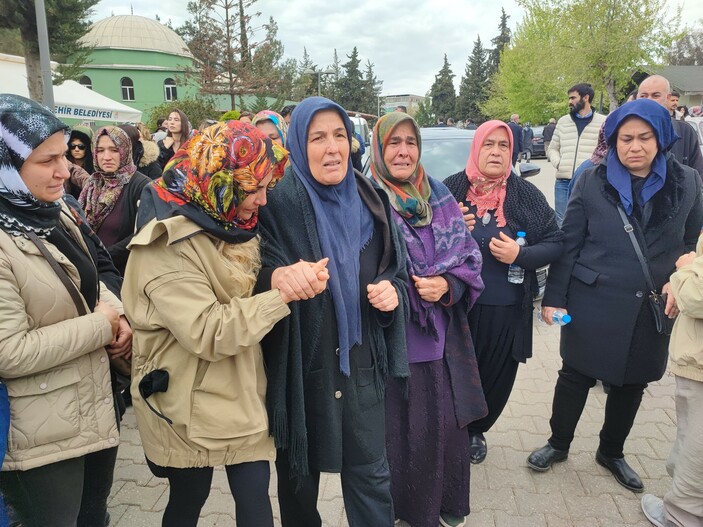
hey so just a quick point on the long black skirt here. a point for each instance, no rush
(495, 332)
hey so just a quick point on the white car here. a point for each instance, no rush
(697, 124)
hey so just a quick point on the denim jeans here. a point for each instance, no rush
(561, 198)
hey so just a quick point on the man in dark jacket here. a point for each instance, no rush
(687, 150)
(516, 129)
(548, 133)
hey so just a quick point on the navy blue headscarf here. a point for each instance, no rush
(659, 119)
(344, 224)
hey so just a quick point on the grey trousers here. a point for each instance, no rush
(684, 502)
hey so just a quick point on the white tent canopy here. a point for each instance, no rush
(71, 100)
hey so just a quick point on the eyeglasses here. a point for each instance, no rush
(78, 146)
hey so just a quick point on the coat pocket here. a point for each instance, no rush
(366, 388)
(584, 274)
(44, 408)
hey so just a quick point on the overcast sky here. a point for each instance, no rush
(405, 39)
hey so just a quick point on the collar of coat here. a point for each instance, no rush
(151, 153)
(665, 203)
(176, 228)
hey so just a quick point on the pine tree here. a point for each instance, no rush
(499, 43)
(305, 85)
(66, 20)
(371, 90)
(443, 93)
(474, 84)
(350, 86)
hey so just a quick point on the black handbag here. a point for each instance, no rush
(657, 301)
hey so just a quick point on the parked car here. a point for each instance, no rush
(445, 151)
(538, 142)
(697, 124)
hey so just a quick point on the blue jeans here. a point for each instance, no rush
(561, 198)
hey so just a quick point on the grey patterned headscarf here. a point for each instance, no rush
(24, 125)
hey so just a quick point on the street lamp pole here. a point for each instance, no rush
(319, 74)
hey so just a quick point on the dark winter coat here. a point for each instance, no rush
(526, 209)
(687, 150)
(148, 163)
(311, 405)
(600, 281)
(548, 131)
(516, 129)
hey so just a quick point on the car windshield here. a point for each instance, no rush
(445, 156)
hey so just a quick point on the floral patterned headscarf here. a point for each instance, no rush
(276, 119)
(103, 189)
(212, 173)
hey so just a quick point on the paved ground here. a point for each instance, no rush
(504, 492)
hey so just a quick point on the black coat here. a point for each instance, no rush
(687, 150)
(600, 281)
(305, 415)
(525, 209)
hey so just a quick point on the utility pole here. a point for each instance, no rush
(44, 56)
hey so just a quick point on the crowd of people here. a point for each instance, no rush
(259, 300)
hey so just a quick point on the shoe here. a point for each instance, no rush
(653, 509)
(477, 448)
(623, 473)
(540, 460)
(447, 520)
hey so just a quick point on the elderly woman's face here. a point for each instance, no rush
(637, 146)
(400, 153)
(269, 130)
(328, 148)
(107, 154)
(45, 170)
(495, 154)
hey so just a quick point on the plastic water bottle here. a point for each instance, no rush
(516, 274)
(559, 318)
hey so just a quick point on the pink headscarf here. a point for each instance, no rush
(485, 192)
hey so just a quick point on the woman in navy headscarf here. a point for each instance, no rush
(600, 282)
(328, 361)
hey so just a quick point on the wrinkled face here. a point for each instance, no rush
(401, 153)
(107, 154)
(269, 130)
(173, 123)
(576, 102)
(495, 154)
(45, 170)
(637, 146)
(250, 205)
(77, 148)
(656, 89)
(328, 148)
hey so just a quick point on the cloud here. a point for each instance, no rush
(405, 39)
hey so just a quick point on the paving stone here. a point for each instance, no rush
(479, 518)
(218, 503)
(517, 478)
(331, 511)
(116, 513)
(144, 497)
(567, 482)
(531, 503)
(128, 471)
(498, 499)
(504, 519)
(592, 507)
(135, 517)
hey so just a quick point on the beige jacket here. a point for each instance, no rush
(686, 345)
(568, 150)
(53, 361)
(189, 319)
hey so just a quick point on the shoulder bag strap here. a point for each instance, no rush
(630, 231)
(65, 279)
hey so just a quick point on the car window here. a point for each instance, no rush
(445, 157)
